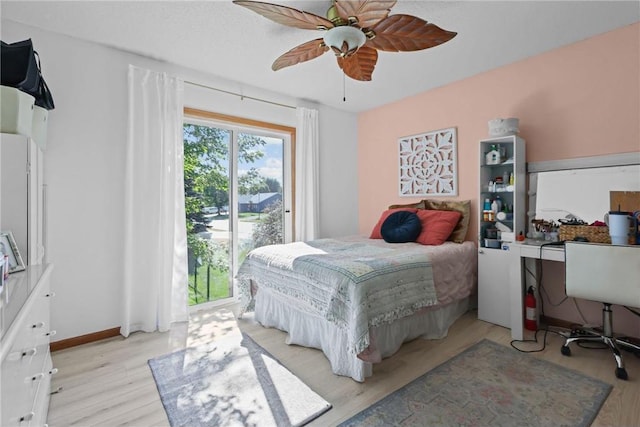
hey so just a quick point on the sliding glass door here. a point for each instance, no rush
(237, 197)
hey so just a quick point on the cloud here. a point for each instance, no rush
(275, 173)
(274, 162)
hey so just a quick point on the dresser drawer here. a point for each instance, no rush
(23, 355)
(42, 394)
(15, 393)
(26, 362)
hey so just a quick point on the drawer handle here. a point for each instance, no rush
(50, 294)
(53, 371)
(50, 333)
(31, 352)
(38, 325)
(36, 377)
(27, 417)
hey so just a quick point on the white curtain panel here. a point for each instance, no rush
(307, 174)
(155, 236)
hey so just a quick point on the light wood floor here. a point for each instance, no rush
(109, 383)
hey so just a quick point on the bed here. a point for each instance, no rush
(357, 298)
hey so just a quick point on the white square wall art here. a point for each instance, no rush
(428, 164)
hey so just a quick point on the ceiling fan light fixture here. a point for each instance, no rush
(344, 40)
(355, 30)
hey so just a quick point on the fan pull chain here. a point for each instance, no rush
(344, 87)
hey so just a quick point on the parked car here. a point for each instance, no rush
(210, 210)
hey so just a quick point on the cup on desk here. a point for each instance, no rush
(619, 223)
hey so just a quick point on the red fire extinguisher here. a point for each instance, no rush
(530, 322)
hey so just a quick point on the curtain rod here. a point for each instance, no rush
(240, 95)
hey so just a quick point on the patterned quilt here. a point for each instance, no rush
(353, 284)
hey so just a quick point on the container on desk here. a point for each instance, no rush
(593, 234)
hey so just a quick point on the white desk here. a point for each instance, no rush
(517, 278)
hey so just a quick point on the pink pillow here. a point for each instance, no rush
(376, 234)
(437, 226)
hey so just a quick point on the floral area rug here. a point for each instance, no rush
(232, 382)
(491, 385)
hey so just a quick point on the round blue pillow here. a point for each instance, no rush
(401, 227)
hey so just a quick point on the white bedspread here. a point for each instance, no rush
(355, 283)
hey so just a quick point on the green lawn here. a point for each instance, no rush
(218, 285)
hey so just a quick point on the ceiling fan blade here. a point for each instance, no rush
(360, 65)
(403, 33)
(286, 15)
(304, 52)
(368, 12)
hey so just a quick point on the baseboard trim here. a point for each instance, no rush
(551, 321)
(84, 339)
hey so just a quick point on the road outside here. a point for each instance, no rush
(219, 229)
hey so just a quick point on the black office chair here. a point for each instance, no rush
(609, 274)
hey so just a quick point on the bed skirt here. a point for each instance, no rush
(307, 330)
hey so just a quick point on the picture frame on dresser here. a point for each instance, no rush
(9, 247)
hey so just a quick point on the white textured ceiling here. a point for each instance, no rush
(223, 39)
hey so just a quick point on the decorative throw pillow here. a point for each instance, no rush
(418, 205)
(401, 227)
(436, 226)
(462, 206)
(375, 233)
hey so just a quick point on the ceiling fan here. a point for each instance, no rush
(355, 31)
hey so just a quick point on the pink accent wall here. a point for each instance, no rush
(576, 101)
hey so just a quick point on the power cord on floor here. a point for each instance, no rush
(535, 340)
(592, 346)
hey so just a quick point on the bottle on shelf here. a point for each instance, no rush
(493, 157)
(494, 207)
(487, 204)
(488, 216)
(499, 203)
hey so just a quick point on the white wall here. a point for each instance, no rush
(84, 169)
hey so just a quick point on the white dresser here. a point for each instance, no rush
(24, 348)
